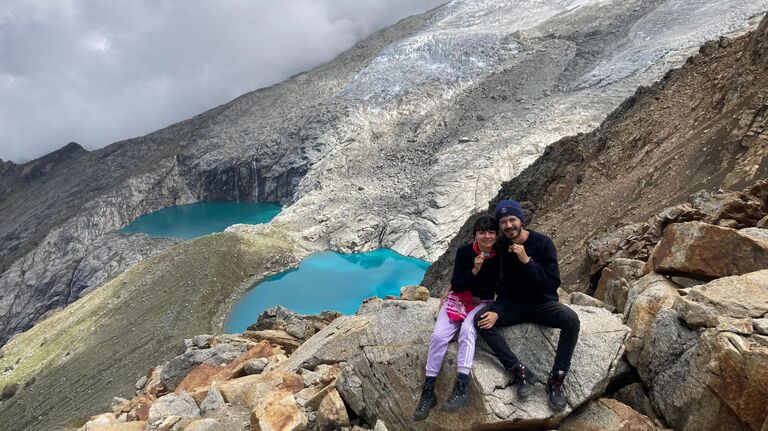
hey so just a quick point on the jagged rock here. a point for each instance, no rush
(201, 376)
(169, 423)
(606, 414)
(742, 209)
(181, 405)
(202, 341)
(760, 325)
(312, 396)
(141, 383)
(382, 350)
(213, 400)
(299, 326)
(248, 390)
(232, 417)
(728, 303)
(721, 376)
(275, 336)
(255, 366)
(177, 368)
(278, 411)
(206, 424)
(756, 233)
(635, 396)
(414, 293)
(380, 426)
(647, 296)
(705, 250)
(615, 279)
(331, 414)
(579, 298)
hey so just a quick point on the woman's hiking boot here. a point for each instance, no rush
(458, 397)
(427, 400)
(524, 378)
(555, 389)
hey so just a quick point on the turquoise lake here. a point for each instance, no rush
(201, 218)
(328, 281)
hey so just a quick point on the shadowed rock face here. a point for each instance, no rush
(391, 144)
(383, 350)
(702, 127)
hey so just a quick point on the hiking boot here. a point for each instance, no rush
(555, 389)
(426, 402)
(524, 378)
(458, 397)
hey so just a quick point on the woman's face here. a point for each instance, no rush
(485, 238)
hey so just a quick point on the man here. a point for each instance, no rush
(529, 278)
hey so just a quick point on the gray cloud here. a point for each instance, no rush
(96, 72)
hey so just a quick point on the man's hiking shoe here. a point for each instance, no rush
(458, 397)
(426, 402)
(524, 378)
(555, 389)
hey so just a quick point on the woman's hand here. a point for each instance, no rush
(479, 259)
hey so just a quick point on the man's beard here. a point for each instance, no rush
(513, 233)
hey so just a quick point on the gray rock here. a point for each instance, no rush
(141, 383)
(615, 279)
(177, 368)
(607, 414)
(579, 298)
(212, 401)
(181, 404)
(255, 366)
(760, 325)
(202, 341)
(382, 356)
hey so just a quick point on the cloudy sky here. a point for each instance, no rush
(95, 71)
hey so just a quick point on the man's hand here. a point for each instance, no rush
(488, 319)
(519, 250)
(478, 264)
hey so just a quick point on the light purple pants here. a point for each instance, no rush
(443, 334)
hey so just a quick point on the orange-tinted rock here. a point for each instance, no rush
(249, 390)
(607, 415)
(201, 376)
(278, 411)
(707, 251)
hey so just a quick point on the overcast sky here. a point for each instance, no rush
(99, 71)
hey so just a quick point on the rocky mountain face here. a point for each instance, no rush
(704, 126)
(391, 144)
(659, 348)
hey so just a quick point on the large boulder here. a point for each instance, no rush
(382, 351)
(615, 279)
(606, 414)
(707, 251)
(704, 356)
(728, 303)
(646, 297)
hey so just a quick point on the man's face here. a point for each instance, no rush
(511, 226)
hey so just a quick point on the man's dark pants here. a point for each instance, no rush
(552, 314)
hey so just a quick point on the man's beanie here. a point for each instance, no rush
(509, 207)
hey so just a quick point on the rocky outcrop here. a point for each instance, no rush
(382, 350)
(703, 250)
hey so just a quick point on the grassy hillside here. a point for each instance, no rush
(70, 365)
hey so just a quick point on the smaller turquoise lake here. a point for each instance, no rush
(201, 218)
(328, 281)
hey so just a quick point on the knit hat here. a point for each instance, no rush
(507, 208)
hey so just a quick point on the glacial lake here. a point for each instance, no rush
(328, 281)
(201, 218)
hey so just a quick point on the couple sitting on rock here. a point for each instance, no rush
(520, 269)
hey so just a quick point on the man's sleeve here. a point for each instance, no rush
(462, 278)
(544, 269)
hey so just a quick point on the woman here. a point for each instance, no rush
(475, 275)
